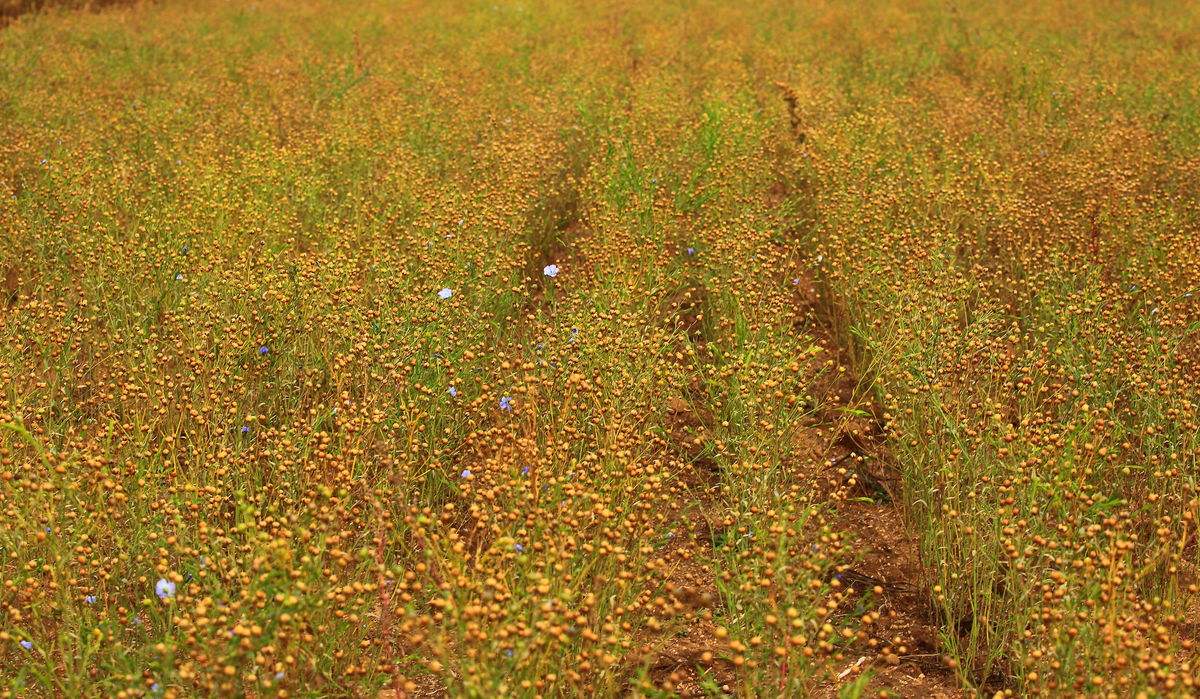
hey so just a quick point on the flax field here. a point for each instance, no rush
(532, 348)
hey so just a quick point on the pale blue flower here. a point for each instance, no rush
(445, 293)
(550, 270)
(90, 599)
(453, 392)
(506, 403)
(466, 473)
(165, 589)
(27, 645)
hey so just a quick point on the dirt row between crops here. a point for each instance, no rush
(847, 463)
(907, 659)
(844, 459)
